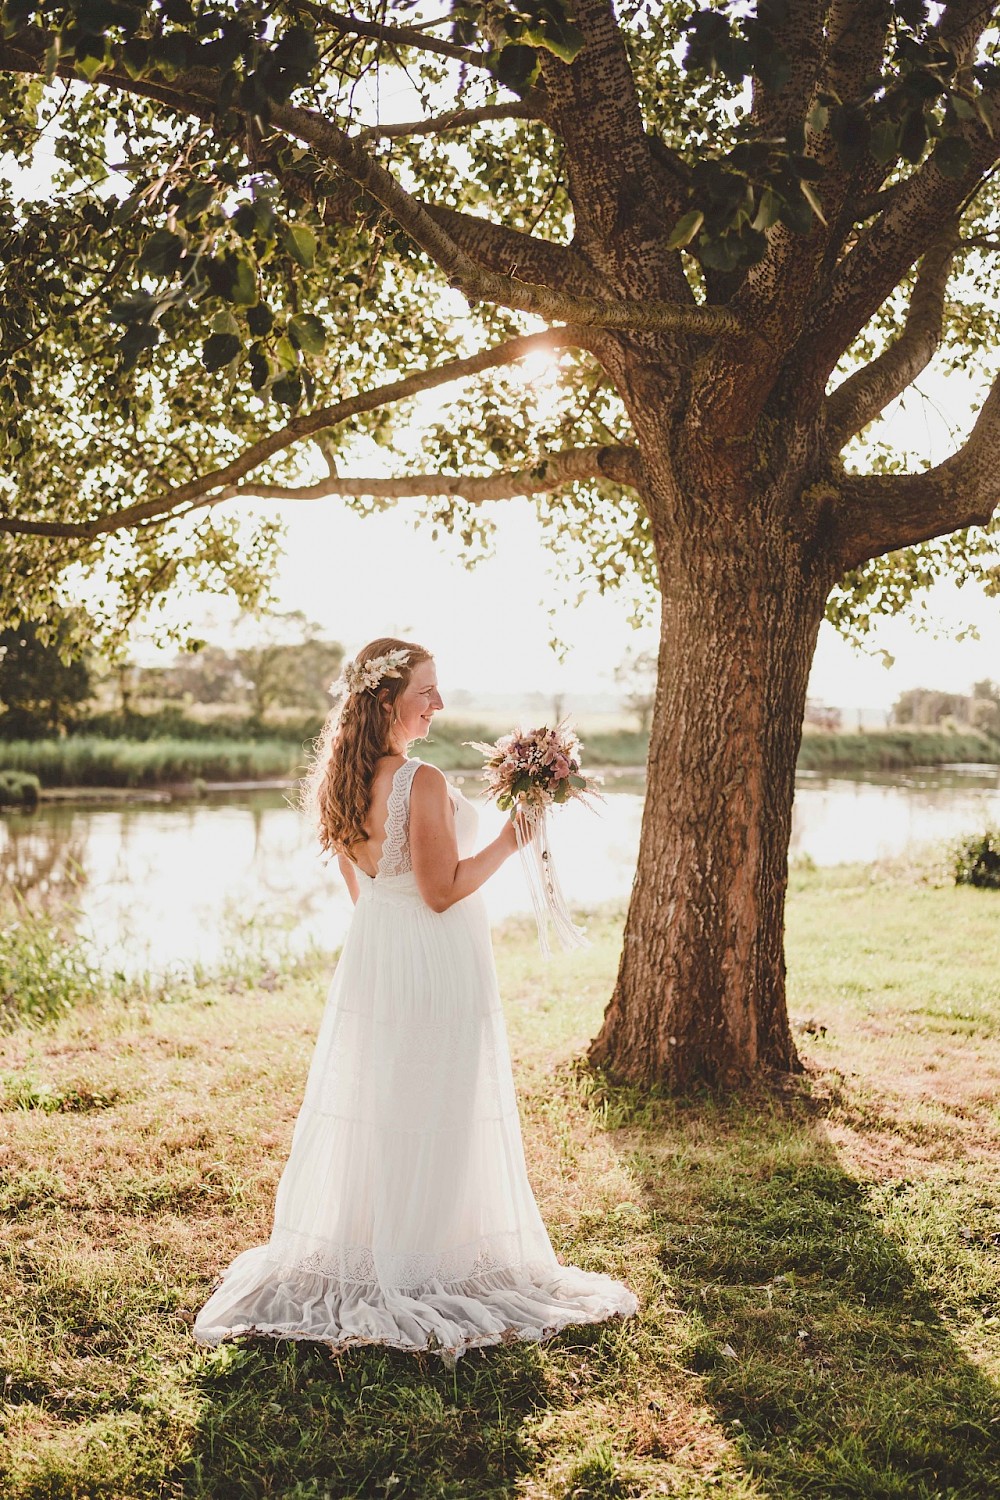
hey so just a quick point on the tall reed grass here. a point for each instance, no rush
(92, 761)
(895, 749)
(88, 762)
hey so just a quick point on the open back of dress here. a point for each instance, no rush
(404, 1215)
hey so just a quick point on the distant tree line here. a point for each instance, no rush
(285, 665)
(927, 707)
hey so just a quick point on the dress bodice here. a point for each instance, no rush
(395, 857)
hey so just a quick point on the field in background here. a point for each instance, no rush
(90, 761)
(817, 1269)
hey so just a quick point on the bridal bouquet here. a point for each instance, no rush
(526, 773)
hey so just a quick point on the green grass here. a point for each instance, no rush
(818, 1268)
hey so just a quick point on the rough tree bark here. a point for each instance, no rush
(700, 995)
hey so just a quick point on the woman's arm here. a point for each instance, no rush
(350, 879)
(443, 878)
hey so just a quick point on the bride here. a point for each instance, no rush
(404, 1215)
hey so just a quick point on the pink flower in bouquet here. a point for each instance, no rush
(534, 768)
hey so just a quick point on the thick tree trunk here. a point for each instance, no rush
(700, 995)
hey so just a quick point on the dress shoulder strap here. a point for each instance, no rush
(395, 856)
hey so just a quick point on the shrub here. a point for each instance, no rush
(42, 974)
(19, 789)
(977, 860)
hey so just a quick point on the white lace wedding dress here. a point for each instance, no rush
(404, 1215)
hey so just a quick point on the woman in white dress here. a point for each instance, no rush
(404, 1215)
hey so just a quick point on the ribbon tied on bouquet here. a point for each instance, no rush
(528, 772)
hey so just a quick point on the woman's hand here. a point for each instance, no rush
(518, 820)
(508, 836)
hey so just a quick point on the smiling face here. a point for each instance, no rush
(416, 706)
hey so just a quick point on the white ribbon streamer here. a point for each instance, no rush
(531, 827)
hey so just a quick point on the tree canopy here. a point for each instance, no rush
(225, 259)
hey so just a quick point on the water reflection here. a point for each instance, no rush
(175, 884)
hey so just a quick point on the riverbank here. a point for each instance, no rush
(817, 1269)
(186, 767)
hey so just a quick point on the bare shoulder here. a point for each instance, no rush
(429, 786)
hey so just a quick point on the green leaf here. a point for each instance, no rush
(516, 66)
(812, 201)
(287, 389)
(559, 37)
(52, 57)
(817, 117)
(288, 359)
(768, 211)
(244, 292)
(885, 142)
(220, 349)
(851, 132)
(136, 338)
(720, 254)
(232, 277)
(299, 242)
(685, 229)
(952, 156)
(135, 56)
(161, 253)
(260, 368)
(90, 65)
(224, 322)
(196, 199)
(913, 136)
(260, 319)
(307, 332)
(244, 221)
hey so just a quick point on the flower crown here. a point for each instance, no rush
(365, 676)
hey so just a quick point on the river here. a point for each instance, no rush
(171, 886)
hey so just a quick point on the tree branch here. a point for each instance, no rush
(400, 36)
(881, 513)
(621, 195)
(549, 472)
(308, 425)
(884, 253)
(622, 465)
(347, 152)
(910, 220)
(859, 399)
(454, 119)
(798, 31)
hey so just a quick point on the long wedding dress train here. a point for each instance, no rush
(404, 1215)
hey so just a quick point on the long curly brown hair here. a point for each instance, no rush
(336, 792)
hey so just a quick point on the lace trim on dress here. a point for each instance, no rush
(395, 856)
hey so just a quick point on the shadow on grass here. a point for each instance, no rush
(799, 1312)
(292, 1419)
(816, 1309)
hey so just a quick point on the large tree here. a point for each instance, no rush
(737, 225)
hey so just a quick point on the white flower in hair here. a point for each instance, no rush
(365, 676)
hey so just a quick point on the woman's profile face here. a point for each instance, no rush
(417, 704)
